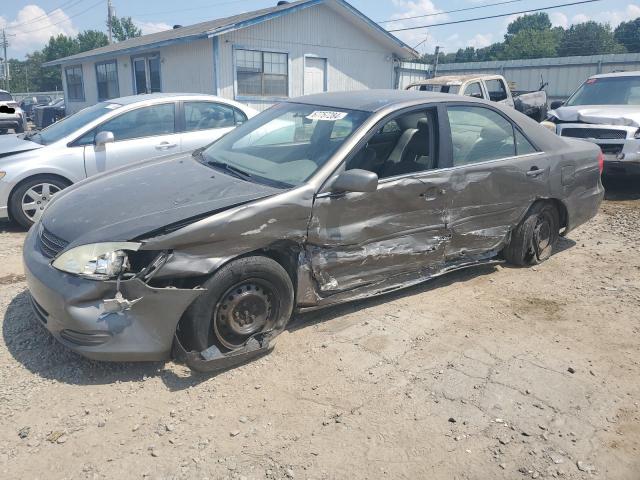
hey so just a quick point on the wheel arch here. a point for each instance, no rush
(31, 177)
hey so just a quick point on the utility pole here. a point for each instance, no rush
(435, 62)
(110, 14)
(5, 43)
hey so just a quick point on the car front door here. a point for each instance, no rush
(496, 175)
(205, 122)
(139, 134)
(395, 233)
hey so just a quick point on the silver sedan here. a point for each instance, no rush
(37, 165)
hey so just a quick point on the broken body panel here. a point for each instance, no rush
(340, 246)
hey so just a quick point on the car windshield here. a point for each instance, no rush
(607, 91)
(285, 145)
(5, 97)
(70, 124)
(437, 88)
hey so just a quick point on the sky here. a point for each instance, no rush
(29, 24)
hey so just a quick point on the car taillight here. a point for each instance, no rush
(601, 162)
(12, 104)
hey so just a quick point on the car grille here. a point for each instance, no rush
(611, 148)
(50, 245)
(597, 133)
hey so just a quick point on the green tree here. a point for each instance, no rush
(535, 21)
(124, 28)
(530, 43)
(90, 39)
(628, 35)
(589, 38)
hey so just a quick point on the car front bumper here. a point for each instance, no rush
(72, 309)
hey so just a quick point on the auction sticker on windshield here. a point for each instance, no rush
(326, 115)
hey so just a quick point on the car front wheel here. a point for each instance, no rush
(245, 298)
(534, 239)
(30, 198)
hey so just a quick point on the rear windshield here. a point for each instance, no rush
(436, 88)
(5, 97)
(607, 91)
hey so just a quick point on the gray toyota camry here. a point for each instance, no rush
(320, 200)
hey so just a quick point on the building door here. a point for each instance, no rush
(146, 74)
(315, 75)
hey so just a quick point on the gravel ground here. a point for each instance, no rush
(490, 373)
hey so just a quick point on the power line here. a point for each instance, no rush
(147, 14)
(92, 6)
(66, 5)
(449, 11)
(493, 16)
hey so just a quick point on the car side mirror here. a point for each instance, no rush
(556, 104)
(102, 138)
(355, 180)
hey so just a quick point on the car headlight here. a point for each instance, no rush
(98, 261)
(549, 125)
(2, 174)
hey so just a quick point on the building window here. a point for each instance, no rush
(262, 74)
(107, 78)
(75, 89)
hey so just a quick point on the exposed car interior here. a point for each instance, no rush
(403, 145)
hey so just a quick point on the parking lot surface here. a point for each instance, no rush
(489, 373)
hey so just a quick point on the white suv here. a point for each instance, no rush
(108, 135)
(11, 116)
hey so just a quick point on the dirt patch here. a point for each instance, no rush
(490, 373)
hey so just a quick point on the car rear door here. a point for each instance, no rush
(496, 175)
(139, 134)
(395, 233)
(206, 121)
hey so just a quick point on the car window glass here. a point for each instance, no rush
(473, 90)
(240, 117)
(142, 122)
(496, 89)
(404, 145)
(479, 135)
(207, 115)
(342, 128)
(523, 145)
(285, 145)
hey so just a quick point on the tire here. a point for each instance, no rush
(35, 191)
(3, 131)
(255, 285)
(19, 129)
(534, 239)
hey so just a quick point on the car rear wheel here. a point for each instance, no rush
(30, 198)
(244, 298)
(534, 239)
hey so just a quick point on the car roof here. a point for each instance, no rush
(375, 100)
(617, 74)
(146, 97)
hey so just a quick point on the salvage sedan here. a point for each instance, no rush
(317, 201)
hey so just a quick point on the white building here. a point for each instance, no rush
(258, 58)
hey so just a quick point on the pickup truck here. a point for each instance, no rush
(489, 87)
(604, 110)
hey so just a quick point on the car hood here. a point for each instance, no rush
(623, 115)
(127, 203)
(12, 144)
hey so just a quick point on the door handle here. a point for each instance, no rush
(165, 145)
(534, 172)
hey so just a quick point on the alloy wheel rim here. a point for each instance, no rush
(36, 199)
